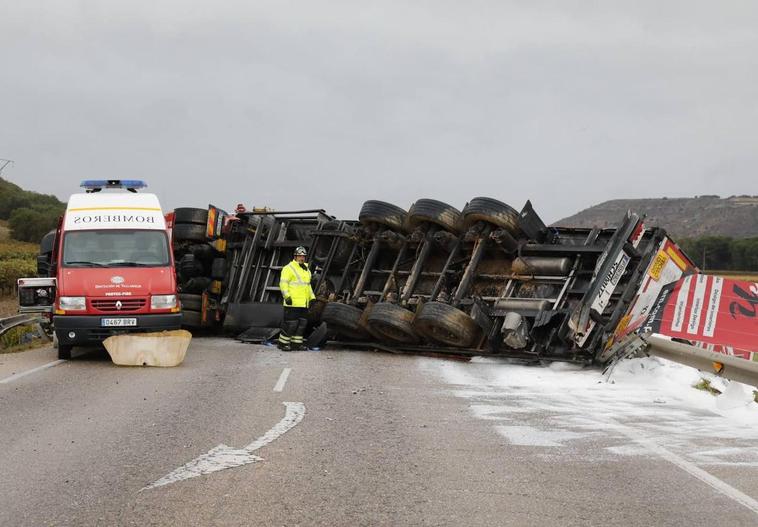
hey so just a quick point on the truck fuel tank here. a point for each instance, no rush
(541, 265)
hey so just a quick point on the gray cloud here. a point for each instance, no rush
(310, 104)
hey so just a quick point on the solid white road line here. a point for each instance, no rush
(223, 457)
(707, 478)
(282, 380)
(29, 372)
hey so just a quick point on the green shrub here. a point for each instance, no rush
(31, 224)
(15, 250)
(13, 197)
(722, 253)
(12, 270)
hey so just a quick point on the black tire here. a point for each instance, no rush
(494, 212)
(190, 267)
(393, 323)
(385, 214)
(218, 269)
(191, 215)
(189, 232)
(444, 324)
(191, 302)
(437, 212)
(64, 351)
(47, 242)
(195, 285)
(203, 252)
(318, 336)
(344, 320)
(191, 318)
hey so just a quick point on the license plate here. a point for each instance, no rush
(117, 322)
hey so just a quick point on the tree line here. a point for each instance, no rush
(30, 215)
(722, 253)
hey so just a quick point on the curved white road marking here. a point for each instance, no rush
(282, 380)
(29, 372)
(223, 457)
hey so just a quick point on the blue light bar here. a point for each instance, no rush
(97, 184)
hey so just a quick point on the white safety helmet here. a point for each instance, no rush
(300, 251)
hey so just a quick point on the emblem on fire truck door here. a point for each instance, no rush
(117, 279)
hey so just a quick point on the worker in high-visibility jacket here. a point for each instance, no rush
(295, 285)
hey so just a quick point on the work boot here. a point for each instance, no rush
(284, 346)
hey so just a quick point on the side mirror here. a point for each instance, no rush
(43, 265)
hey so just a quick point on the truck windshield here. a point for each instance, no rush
(115, 248)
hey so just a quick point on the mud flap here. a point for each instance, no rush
(162, 348)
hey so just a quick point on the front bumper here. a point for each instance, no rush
(87, 328)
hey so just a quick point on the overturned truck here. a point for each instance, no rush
(484, 279)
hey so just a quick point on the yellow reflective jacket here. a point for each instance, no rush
(295, 283)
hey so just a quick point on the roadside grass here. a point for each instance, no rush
(5, 231)
(8, 306)
(705, 385)
(22, 338)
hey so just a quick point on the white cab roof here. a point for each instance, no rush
(114, 210)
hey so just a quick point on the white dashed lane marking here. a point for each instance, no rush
(282, 380)
(29, 372)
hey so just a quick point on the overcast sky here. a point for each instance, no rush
(326, 104)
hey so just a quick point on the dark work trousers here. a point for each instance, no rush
(293, 327)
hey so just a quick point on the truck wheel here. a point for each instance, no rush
(191, 215)
(437, 212)
(343, 320)
(317, 338)
(191, 319)
(392, 322)
(218, 268)
(494, 212)
(189, 232)
(195, 285)
(382, 213)
(191, 302)
(203, 252)
(64, 351)
(190, 267)
(446, 325)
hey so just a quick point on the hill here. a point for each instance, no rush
(29, 214)
(734, 217)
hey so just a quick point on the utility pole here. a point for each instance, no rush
(4, 163)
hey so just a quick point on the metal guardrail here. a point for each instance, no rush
(18, 320)
(728, 366)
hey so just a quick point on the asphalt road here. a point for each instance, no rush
(384, 440)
